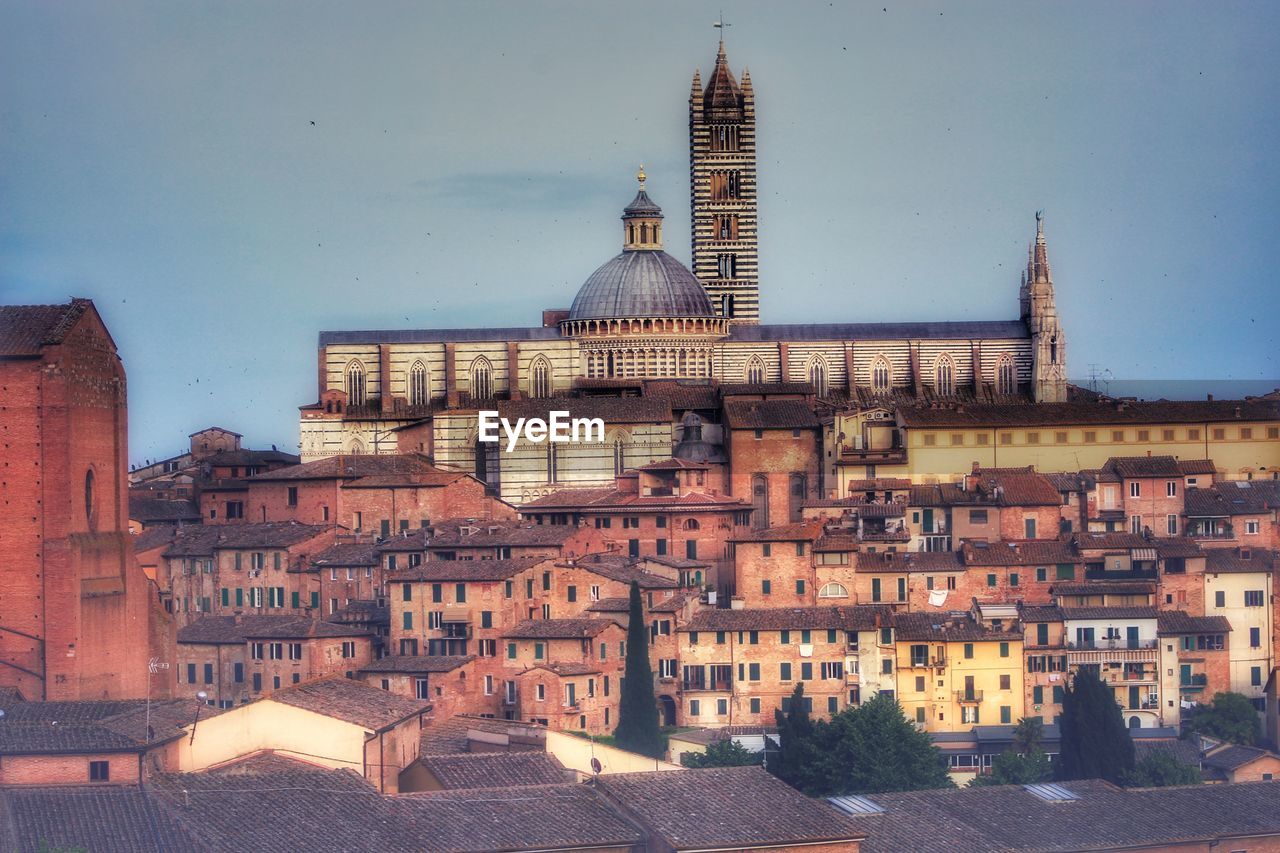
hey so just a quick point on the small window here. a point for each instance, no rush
(99, 771)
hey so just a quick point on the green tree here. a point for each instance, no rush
(1160, 769)
(1095, 741)
(1027, 735)
(794, 760)
(1014, 768)
(638, 707)
(1231, 717)
(724, 753)
(868, 749)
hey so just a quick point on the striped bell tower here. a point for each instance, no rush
(722, 179)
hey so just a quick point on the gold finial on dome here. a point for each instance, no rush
(640, 176)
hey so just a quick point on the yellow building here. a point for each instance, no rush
(955, 673)
(941, 444)
(1238, 585)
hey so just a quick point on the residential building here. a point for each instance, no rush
(1238, 586)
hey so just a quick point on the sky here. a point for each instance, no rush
(226, 180)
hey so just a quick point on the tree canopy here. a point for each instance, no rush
(724, 753)
(1230, 717)
(1095, 741)
(638, 729)
(1025, 763)
(1160, 769)
(871, 748)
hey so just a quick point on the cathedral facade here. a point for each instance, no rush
(644, 316)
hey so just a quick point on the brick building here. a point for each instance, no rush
(564, 673)
(78, 617)
(449, 682)
(774, 448)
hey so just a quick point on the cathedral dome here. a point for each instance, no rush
(641, 283)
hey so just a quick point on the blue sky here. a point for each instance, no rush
(468, 162)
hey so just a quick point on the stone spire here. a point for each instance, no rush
(1040, 313)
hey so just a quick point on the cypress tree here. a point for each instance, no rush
(638, 729)
(1095, 741)
(792, 762)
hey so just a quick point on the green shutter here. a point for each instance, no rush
(294, 599)
(226, 597)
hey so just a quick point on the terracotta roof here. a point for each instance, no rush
(608, 498)
(353, 466)
(465, 570)
(769, 414)
(449, 736)
(525, 817)
(1028, 613)
(610, 605)
(225, 630)
(77, 727)
(909, 561)
(1227, 560)
(159, 509)
(1234, 756)
(675, 602)
(558, 629)
(351, 701)
(1102, 817)
(764, 389)
(1111, 541)
(726, 807)
(1178, 546)
(447, 533)
(345, 554)
(862, 617)
(1018, 553)
(203, 540)
(1196, 466)
(1233, 497)
(418, 663)
(154, 537)
(804, 531)
(947, 494)
(495, 769)
(1170, 622)
(26, 329)
(107, 818)
(1104, 588)
(1016, 487)
(1084, 413)
(1132, 612)
(565, 668)
(624, 569)
(1139, 467)
(879, 484)
(947, 627)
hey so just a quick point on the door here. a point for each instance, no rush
(1184, 674)
(1131, 637)
(928, 521)
(1135, 700)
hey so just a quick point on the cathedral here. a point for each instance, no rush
(644, 320)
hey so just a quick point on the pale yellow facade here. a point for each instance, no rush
(1244, 598)
(957, 685)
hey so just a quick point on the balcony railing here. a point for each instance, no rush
(721, 686)
(1110, 645)
(1197, 681)
(889, 536)
(969, 697)
(866, 456)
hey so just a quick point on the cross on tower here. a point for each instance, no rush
(721, 25)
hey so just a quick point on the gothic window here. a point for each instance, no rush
(799, 491)
(881, 376)
(755, 370)
(619, 458)
(357, 447)
(944, 376)
(724, 137)
(726, 226)
(818, 374)
(728, 305)
(481, 379)
(419, 385)
(725, 185)
(355, 384)
(726, 265)
(1053, 350)
(760, 501)
(552, 462)
(1006, 378)
(540, 376)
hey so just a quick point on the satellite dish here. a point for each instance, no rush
(596, 766)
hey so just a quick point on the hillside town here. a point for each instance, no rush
(402, 637)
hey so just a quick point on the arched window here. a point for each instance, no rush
(355, 383)
(356, 447)
(881, 375)
(798, 491)
(1053, 350)
(691, 524)
(90, 516)
(944, 376)
(552, 462)
(619, 457)
(818, 374)
(540, 377)
(481, 379)
(760, 501)
(1006, 377)
(754, 373)
(833, 590)
(419, 385)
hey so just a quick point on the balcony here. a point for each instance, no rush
(1196, 683)
(888, 536)
(867, 456)
(969, 697)
(699, 686)
(1100, 653)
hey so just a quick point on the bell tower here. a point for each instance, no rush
(722, 184)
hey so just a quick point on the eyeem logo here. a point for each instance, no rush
(558, 430)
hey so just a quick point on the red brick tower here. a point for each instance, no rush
(75, 612)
